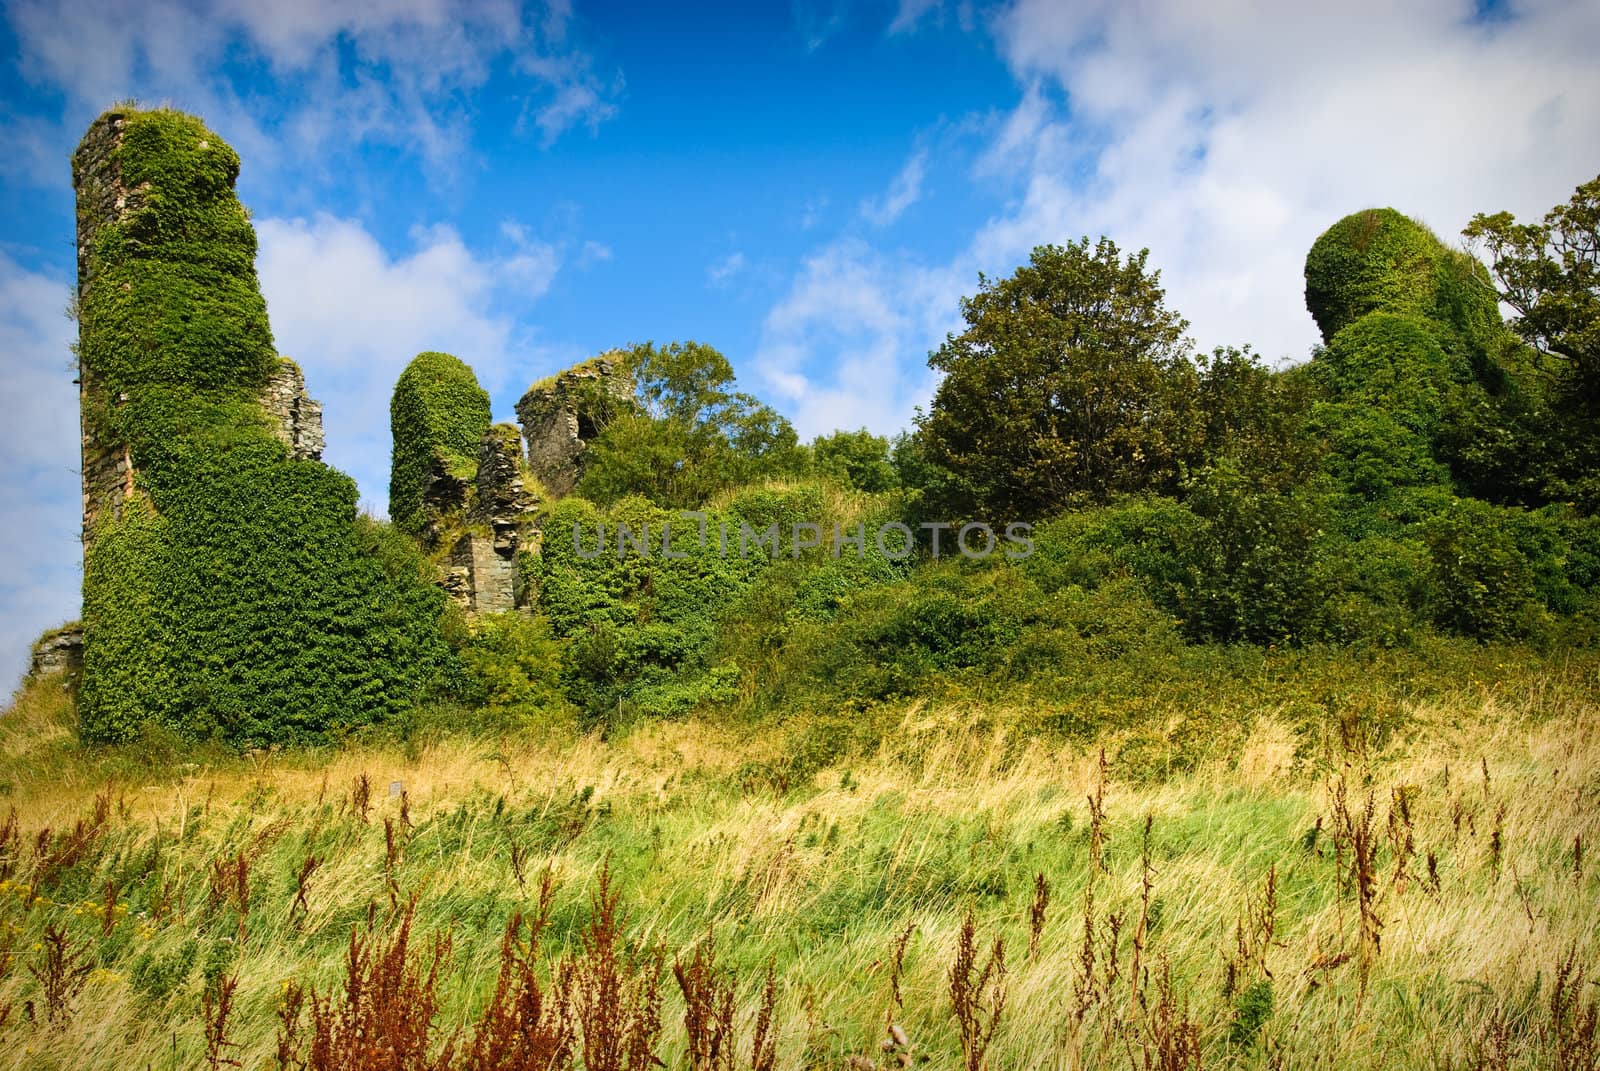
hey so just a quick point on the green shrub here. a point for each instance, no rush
(1371, 453)
(1394, 363)
(513, 661)
(1378, 591)
(857, 459)
(1235, 562)
(1251, 1010)
(1483, 582)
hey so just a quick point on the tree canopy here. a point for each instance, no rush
(1072, 380)
(693, 435)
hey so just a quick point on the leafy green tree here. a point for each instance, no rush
(1072, 380)
(693, 435)
(1255, 418)
(857, 458)
(1549, 273)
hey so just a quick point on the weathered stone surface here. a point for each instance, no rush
(58, 651)
(296, 417)
(107, 468)
(481, 576)
(504, 506)
(504, 501)
(444, 498)
(498, 510)
(560, 415)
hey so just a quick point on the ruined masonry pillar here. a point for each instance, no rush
(107, 466)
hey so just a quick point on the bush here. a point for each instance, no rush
(856, 459)
(1371, 453)
(1483, 583)
(1234, 562)
(514, 664)
(1394, 363)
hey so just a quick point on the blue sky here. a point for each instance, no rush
(810, 187)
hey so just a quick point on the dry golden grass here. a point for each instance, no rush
(1475, 894)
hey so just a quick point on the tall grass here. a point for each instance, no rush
(965, 894)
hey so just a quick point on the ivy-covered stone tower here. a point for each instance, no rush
(230, 587)
(460, 486)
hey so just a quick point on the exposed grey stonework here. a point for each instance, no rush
(107, 468)
(58, 651)
(560, 415)
(499, 518)
(444, 498)
(296, 418)
(504, 502)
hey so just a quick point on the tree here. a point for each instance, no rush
(1549, 273)
(858, 459)
(693, 435)
(1072, 380)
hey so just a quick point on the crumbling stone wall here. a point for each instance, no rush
(103, 200)
(458, 483)
(58, 651)
(560, 416)
(297, 419)
(500, 518)
(231, 588)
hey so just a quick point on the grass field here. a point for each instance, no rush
(966, 895)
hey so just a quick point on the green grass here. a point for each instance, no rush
(948, 813)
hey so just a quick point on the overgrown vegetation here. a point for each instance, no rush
(1391, 868)
(1253, 726)
(239, 595)
(438, 417)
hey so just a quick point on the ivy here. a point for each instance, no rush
(1381, 260)
(438, 416)
(239, 594)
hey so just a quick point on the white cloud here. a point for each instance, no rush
(903, 192)
(534, 264)
(593, 253)
(811, 214)
(395, 72)
(1226, 139)
(720, 271)
(354, 315)
(40, 502)
(818, 20)
(837, 351)
(910, 13)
